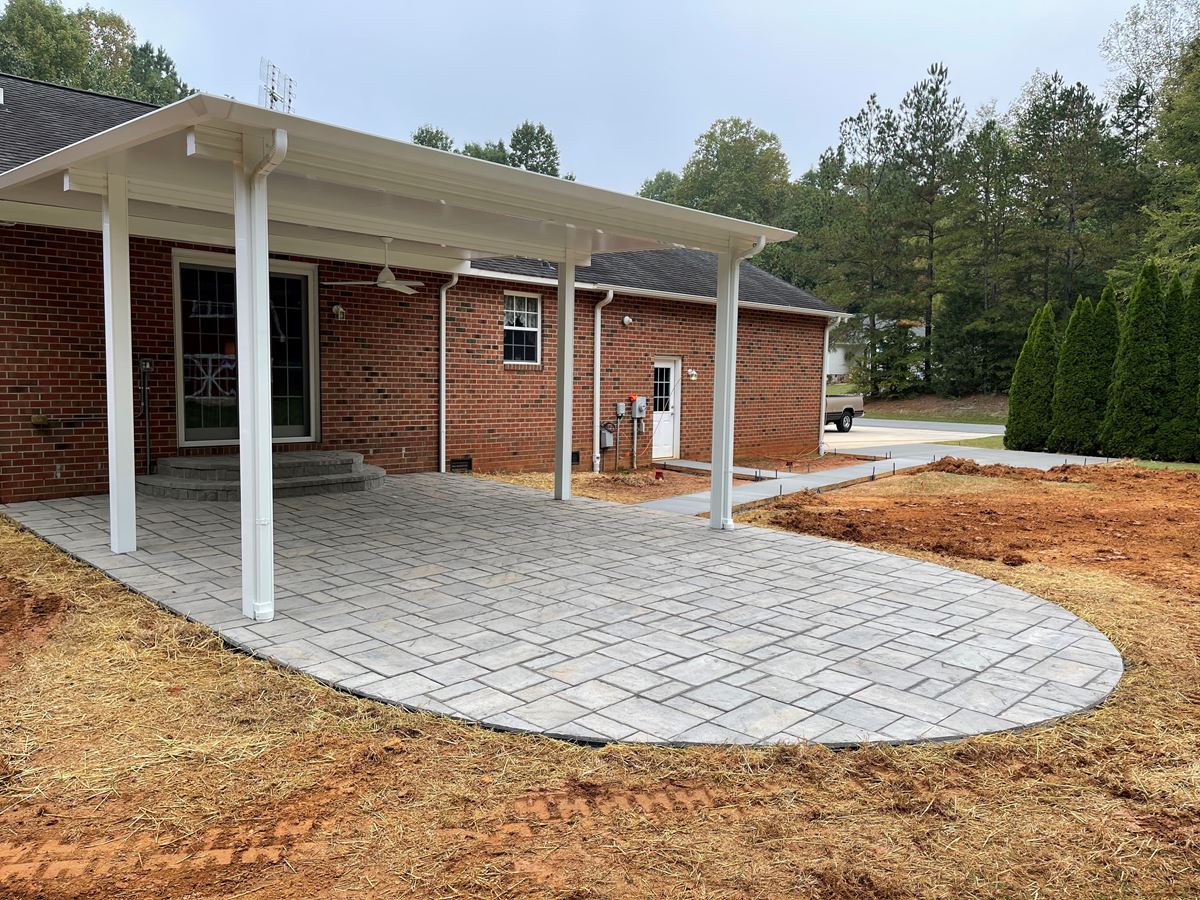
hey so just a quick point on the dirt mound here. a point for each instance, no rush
(1137, 522)
(26, 619)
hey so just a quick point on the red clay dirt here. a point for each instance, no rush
(1117, 518)
(26, 619)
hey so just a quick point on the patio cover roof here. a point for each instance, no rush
(338, 190)
(197, 170)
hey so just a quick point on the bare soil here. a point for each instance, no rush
(140, 758)
(1121, 519)
(617, 487)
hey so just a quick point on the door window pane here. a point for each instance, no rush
(208, 337)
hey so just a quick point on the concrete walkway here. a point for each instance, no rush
(598, 622)
(898, 445)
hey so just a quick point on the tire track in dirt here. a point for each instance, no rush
(48, 862)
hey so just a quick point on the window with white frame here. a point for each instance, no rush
(522, 328)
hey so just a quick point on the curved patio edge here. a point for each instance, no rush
(596, 623)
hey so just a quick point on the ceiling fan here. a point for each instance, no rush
(385, 278)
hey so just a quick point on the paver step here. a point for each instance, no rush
(226, 467)
(365, 478)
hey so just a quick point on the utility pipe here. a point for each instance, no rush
(442, 371)
(600, 304)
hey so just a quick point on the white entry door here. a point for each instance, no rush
(666, 408)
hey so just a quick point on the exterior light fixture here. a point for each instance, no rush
(339, 312)
(691, 374)
(628, 320)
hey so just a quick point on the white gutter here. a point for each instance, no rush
(600, 304)
(442, 371)
(275, 155)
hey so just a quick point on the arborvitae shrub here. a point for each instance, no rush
(1031, 395)
(1075, 413)
(1134, 418)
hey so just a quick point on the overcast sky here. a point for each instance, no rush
(625, 86)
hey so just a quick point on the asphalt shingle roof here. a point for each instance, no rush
(676, 271)
(37, 118)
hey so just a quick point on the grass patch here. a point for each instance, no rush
(840, 390)
(1177, 466)
(991, 441)
(884, 410)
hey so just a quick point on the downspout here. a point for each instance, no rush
(596, 379)
(442, 371)
(824, 388)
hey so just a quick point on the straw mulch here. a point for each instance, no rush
(139, 758)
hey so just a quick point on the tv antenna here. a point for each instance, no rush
(276, 89)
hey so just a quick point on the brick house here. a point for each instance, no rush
(361, 367)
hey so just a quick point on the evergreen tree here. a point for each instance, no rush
(1181, 432)
(1031, 396)
(1179, 423)
(1134, 417)
(1106, 338)
(1074, 411)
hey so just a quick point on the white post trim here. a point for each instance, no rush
(564, 380)
(118, 366)
(254, 392)
(724, 385)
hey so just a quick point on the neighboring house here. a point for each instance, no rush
(355, 367)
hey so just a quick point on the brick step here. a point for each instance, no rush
(226, 467)
(366, 478)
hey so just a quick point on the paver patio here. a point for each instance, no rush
(592, 621)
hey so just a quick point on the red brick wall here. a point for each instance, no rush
(379, 368)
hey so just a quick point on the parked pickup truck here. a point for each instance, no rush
(842, 409)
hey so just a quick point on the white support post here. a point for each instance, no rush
(724, 384)
(254, 391)
(118, 365)
(824, 388)
(564, 379)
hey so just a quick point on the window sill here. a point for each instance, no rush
(523, 366)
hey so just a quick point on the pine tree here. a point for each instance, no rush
(1176, 440)
(1031, 396)
(1133, 420)
(1073, 410)
(1106, 338)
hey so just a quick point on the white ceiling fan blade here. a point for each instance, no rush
(410, 283)
(398, 286)
(348, 283)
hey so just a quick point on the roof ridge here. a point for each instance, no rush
(77, 90)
